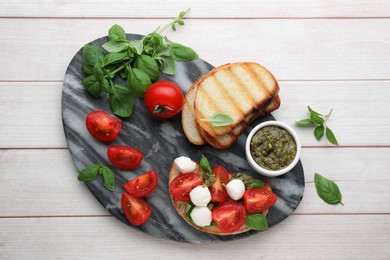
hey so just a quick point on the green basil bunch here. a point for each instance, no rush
(137, 61)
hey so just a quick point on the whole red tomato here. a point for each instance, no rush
(103, 126)
(164, 99)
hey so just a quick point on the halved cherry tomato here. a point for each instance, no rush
(124, 157)
(103, 126)
(142, 185)
(164, 99)
(257, 200)
(136, 210)
(218, 188)
(182, 185)
(229, 216)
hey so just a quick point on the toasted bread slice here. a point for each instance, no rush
(226, 140)
(234, 89)
(182, 206)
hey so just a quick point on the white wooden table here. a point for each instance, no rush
(327, 54)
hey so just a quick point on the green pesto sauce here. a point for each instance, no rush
(273, 148)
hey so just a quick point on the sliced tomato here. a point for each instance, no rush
(142, 185)
(257, 200)
(136, 210)
(124, 157)
(103, 126)
(229, 216)
(218, 188)
(182, 185)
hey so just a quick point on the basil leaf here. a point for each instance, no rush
(89, 173)
(312, 111)
(106, 87)
(319, 132)
(92, 85)
(190, 206)
(92, 54)
(305, 122)
(316, 119)
(116, 33)
(327, 190)
(147, 65)
(331, 137)
(220, 119)
(115, 46)
(87, 69)
(256, 222)
(207, 175)
(137, 46)
(167, 64)
(121, 101)
(114, 57)
(108, 178)
(182, 53)
(162, 51)
(138, 81)
(257, 184)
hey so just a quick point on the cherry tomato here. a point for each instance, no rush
(142, 185)
(218, 188)
(124, 157)
(164, 99)
(103, 126)
(136, 210)
(182, 185)
(257, 200)
(229, 216)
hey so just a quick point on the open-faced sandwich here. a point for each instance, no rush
(216, 201)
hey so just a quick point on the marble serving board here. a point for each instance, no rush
(161, 141)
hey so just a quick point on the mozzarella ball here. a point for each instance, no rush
(235, 188)
(184, 164)
(201, 216)
(200, 196)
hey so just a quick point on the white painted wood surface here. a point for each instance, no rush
(327, 54)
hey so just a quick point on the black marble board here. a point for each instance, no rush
(161, 141)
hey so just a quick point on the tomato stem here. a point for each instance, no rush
(161, 109)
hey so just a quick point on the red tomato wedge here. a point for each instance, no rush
(182, 185)
(142, 185)
(124, 157)
(257, 200)
(218, 188)
(229, 216)
(136, 210)
(164, 99)
(103, 126)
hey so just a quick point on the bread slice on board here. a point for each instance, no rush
(235, 89)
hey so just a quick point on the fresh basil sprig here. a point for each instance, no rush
(91, 172)
(319, 121)
(139, 62)
(219, 119)
(327, 190)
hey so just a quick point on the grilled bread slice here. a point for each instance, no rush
(235, 89)
(226, 140)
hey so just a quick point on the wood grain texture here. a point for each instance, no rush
(199, 8)
(297, 237)
(357, 118)
(320, 49)
(30, 186)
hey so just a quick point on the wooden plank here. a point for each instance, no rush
(319, 49)
(199, 8)
(44, 182)
(303, 237)
(357, 118)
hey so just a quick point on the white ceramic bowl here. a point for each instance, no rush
(258, 168)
